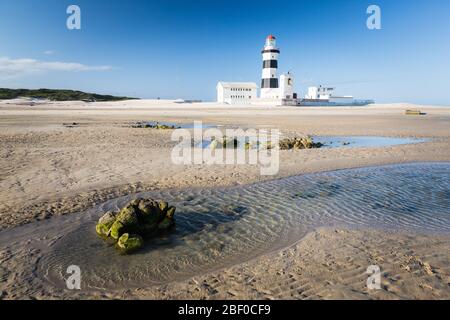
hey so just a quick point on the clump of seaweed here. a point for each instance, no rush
(299, 143)
(138, 220)
(157, 125)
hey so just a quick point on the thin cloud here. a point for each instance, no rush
(49, 52)
(17, 67)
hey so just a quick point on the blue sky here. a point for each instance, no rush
(181, 49)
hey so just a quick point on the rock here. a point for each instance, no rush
(129, 243)
(214, 145)
(108, 218)
(230, 142)
(163, 206)
(150, 211)
(104, 224)
(128, 217)
(148, 230)
(299, 143)
(134, 202)
(146, 125)
(117, 229)
(165, 224)
(139, 218)
(170, 212)
(102, 230)
(266, 146)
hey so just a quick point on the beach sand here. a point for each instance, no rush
(48, 169)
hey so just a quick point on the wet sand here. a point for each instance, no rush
(49, 169)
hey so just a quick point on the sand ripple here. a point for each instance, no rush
(225, 226)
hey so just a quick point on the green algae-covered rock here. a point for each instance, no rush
(117, 229)
(104, 224)
(170, 212)
(299, 143)
(108, 218)
(102, 230)
(129, 243)
(148, 230)
(165, 224)
(230, 142)
(128, 216)
(163, 206)
(138, 219)
(149, 211)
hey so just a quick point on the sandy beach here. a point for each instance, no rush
(63, 158)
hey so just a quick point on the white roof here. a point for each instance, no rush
(250, 85)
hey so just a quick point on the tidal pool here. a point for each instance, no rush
(351, 141)
(362, 141)
(176, 125)
(218, 227)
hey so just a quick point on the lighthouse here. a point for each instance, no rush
(269, 82)
(274, 91)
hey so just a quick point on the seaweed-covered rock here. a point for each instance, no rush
(170, 212)
(102, 230)
(138, 219)
(149, 210)
(230, 142)
(128, 216)
(148, 125)
(129, 243)
(104, 224)
(215, 145)
(108, 218)
(117, 229)
(165, 224)
(299, 143)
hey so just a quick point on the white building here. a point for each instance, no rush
(287, 87)
(237, 92)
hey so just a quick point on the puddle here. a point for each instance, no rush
(342, 142)
(175, 125)
(364, 142)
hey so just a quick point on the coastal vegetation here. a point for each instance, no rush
(57, 95)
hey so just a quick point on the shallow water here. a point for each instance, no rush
(223, 226)
(362, 141)
(350, 141)
(180, 125)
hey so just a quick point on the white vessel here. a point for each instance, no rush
(323, 96)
